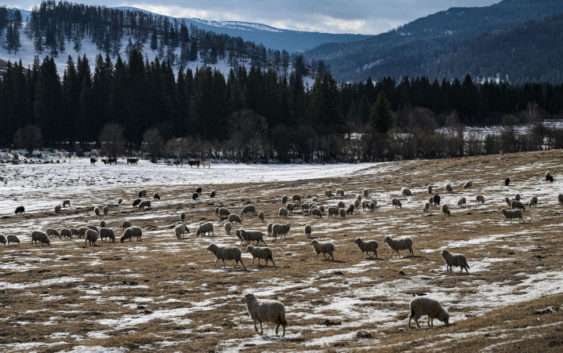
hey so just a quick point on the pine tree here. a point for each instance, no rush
(381, 116)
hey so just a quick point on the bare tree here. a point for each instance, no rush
(28, 137)
(112, 140)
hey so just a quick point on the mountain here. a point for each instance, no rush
(417, 47)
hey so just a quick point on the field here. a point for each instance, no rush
(168, 295)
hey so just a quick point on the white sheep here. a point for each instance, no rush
(455, 260)
(261, 254)
(225, 253)
(324, 248)
(399, 244)
(266, 311)
(425, 306)
(180, 230)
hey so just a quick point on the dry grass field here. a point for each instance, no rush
(168, 295)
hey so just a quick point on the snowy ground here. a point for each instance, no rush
(164, 294)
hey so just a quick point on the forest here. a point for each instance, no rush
(260, 115)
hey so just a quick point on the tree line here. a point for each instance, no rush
(258, 114)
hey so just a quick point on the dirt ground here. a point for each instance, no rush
(168, 295)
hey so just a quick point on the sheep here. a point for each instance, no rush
(396, 203)
(507, 182)
(406, 192)
(340, 193)
(66, 203)
(549, 178)
(205, 229)
(261, 254)
(75, 231)
(290, 207)
(13, 239)
(142, 193)
(131, 232)
(270, 228)
(517, 197)
(468, 185)
(156, 196)
(105, 210)
(228, 228)
(182, 217)
(233, 218)
(425, 306)
(107, 233)
(426, 207)
(136, 202)
(266, 311)
(261, 217)
(222, 212)
(3, 239)
(358, 202)
(317, 213)
(213, 194)
(66, 233)
(224, 253)
(480, 199)
(180, 230)
(533, 202)
(436, 199)
(58, 208)
(93, 228)
(82, 232)
(40, 237)
(280, 229)
(53, 233)
(296, 198)
(350, 210)
(333, 211)
(513, 213)
(323, 248)
(342, 212)
(248, 211)
(199, 190)
(91, 237)
(250, 236)
(462, 202)
(126, 225)
(284, 199)
(446, 210)
(308, 231)
(369, 205)
(19, 210)
(341, 204)
(283, 212)
(455, 260)
(97, 211)
(515, 204)
(430, 189)
(399, 244)
(560, 198)
(195, 196)
(145, 204)
(367, 246)
(102, 224)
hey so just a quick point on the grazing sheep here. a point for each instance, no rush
(333, 211)
(507, 182)
(512, 214)
(426, 207)
(369, 205)
(180, 230)
(246, 236)
(358, 202)
(82, 232)
(145, 204)
(248, 211)
(266, 311)
(195, 196)
(222, 212)
(468, 185)
(366, 193)
(367, 246)
(142, 193)
(436, 199)
(283, 212)
(462, 202)
(296, 199)
(533, 201)
(425, 306)
(105, 210)
(517, 197)
(102, 224)
(340, 193)
(182, 217)
(225, 253)
(284, 199)
(91, 237)
(156, 196)
(3, 239)
(97, 211)
(58, 208)
(341, 204)
(126, 225)
(213, 194)
(233, 218)
(107, 233)
(75, 231)
(53, 233)
(446, 210)
(261, 217)
(130, 233)
(406, 192)
(515, 204)
(13, 239)
(290, 207)
(480, 199)
(205, 229)
(281, 230)
(137, 202)
(308, 231)
(549, 178)
(228, 228)
(40, 237)
(316, 212)
(323, 248)
(449, 188)
(20, 210)
(66, 203)
(342, 212)
(261, 254)
(455, 260)
(66, 233)
(399, 244)
(270, 229)
(396, 203)
(350, 210)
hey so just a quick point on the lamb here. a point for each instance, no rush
(399, 244)
(107, 233)
(40, 237)
(350, 210)
(130, 233)
(250, 236)
(20, 210)
(233, 218)
(58, 208)
(91, 237)
(480, 199)
(406, 192)
(222, 212)
(280, 229)
(224, 253)
(342, 212)
(53, 233)
(308, 231)
(324, 248)
(102, 224)
(13, 239)
(228, 228)
(66, 233)
(446, 210)
(396, 203)
(261, 254)
(266, 311)
(66, 203)
(248, 211)
(462, 202)
(512, 214)
(317, 213)
(180, 230)
(333, 211)
(533, 202)
(468, 185)
(283, 212)
(425, 306)
(261, 217)
(455, 260)
(145, 204)
(367, 246)
(136, 202)
(205, 229)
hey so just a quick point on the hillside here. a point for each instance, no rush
(413, 49)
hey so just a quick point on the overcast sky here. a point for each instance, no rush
(355, 16)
